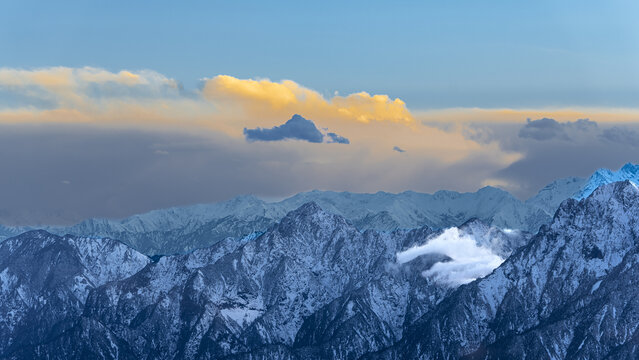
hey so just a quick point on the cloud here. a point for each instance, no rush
(451, 119)
(546, 129)
(469, 261)
(260, 96)
(84, 87)
(446, 145)
(141, 103)
(398, 149)
(621, 135)
(296, 128)
(334, 138)
(561, 148)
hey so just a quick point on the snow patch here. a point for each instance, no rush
(241, 315)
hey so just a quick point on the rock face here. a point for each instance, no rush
(304, 286)
(44, 283)
(312, 286)
(569, 293)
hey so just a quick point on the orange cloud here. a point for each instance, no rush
(287, 97)
(70, 87)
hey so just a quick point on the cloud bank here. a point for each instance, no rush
(546, 129)
(469, 260)
(456, 149)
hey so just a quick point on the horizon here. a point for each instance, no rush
(34, 227)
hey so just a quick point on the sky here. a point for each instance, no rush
(113, 108)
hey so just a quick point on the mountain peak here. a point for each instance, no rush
(605, 176)
(630, 168)
(307, 209)
(617, 190)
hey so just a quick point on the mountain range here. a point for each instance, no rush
(315, 286)
(182, 229)
(323, 281)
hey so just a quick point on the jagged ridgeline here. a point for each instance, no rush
(313, 286)
(345, 276)
(182, 229)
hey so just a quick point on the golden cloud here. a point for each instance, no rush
(287, 97)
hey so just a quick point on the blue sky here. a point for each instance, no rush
(431, 54)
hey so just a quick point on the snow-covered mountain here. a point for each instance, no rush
(311, 286)
(604, 176)
(314, 286)
(552, 195)
(44, 283)
(181, 229)
(569, 294)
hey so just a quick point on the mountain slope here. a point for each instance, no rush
(552, 195)
(45, 280)
(311, 286)
(564, 295)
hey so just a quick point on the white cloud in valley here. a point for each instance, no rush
(468, 260)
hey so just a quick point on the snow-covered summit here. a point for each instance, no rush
(568, 293)
(605, 176)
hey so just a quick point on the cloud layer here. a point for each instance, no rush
(546, 129)
(207, 129)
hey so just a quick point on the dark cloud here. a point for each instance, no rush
(334, 138)
(296, 128)
(546, 129)
(621, 135)
(398, 149)
(552, 150)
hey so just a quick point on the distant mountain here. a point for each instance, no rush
(604, 176)
(311, 286)
(553, 194)
(569, 294)
(181, 229)
(549, 198)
